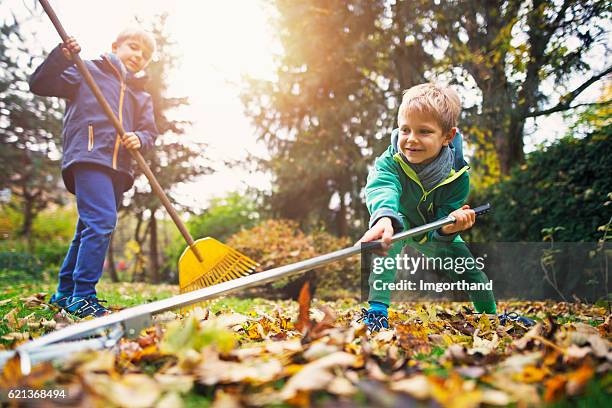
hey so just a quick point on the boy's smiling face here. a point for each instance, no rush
(134, 54)
(421, 137)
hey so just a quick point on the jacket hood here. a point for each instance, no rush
(456, 146)
(111, 62)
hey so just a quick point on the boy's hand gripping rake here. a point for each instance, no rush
(206, 261)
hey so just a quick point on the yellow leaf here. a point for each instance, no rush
(531, 374)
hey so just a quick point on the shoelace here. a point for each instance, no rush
(374, 321)
(515, 317)
(94, 304)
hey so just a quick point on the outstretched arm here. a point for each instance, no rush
(56, 76)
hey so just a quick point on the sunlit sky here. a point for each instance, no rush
(218, 42)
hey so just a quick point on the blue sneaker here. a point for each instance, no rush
(515, 317)
(374, 320)
(86, 306)
(59, 300)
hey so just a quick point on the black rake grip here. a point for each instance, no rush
(483, 209)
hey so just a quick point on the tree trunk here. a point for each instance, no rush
(28, 220)
(514, 144)
(153, 256)
(111, 261)
(341, 221)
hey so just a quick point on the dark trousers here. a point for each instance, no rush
(98, 193)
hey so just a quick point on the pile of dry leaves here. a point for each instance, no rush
(318, 355)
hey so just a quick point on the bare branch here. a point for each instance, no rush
(559, 109)
(566, 100)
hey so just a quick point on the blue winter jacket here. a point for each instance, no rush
(88, 135)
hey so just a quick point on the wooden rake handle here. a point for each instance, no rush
(111, 115)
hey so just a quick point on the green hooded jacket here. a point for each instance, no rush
(394, 190)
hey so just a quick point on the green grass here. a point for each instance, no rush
(193, 400)
(16, 285)
(238, 305)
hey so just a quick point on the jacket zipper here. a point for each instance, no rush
(121, 94)
(118, 138)
(412, 175)
(90, 143)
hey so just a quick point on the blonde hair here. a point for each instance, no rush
(440, 101)
(139, 33)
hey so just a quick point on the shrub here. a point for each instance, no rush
(275, 243)
(566, 185)
(224, 217)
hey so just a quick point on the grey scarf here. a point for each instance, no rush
(435, 172)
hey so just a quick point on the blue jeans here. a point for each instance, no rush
(98, 193)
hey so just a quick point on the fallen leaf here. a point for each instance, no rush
(304, 323)
(319, 349)
(315, 375)
(417, 387)
(471, 371)
(495, 397)
(16, 336)
(103, 360)
(577, 380)
(531, 374)
(36, 299)
(483, 346)
(170, 400)
(174, 383)
(225, 400)
(11, 319)
(214, 371)
(341, 386)
(554, 387)
(131, 390)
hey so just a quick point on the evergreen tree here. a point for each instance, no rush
(30, 136)
(173, 160)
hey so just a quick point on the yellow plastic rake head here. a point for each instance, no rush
(220, 264)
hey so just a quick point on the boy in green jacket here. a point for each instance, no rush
(420, 178)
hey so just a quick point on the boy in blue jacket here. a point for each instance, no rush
(96, 165)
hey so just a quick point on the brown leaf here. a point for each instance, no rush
(577, 380)
(216, 371)
(327, 322)
(99, 361)
(225, 400)
(16, 336)
(417, 387)
(49, 324)
(34, 300)
(303, 323)
(554, 388)
(131, 390)
(495, 397)
(341, 386)
(11, 319)
(319, 349)
(535, 331)
(12, 376)
(316, 375)
(174, 383)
